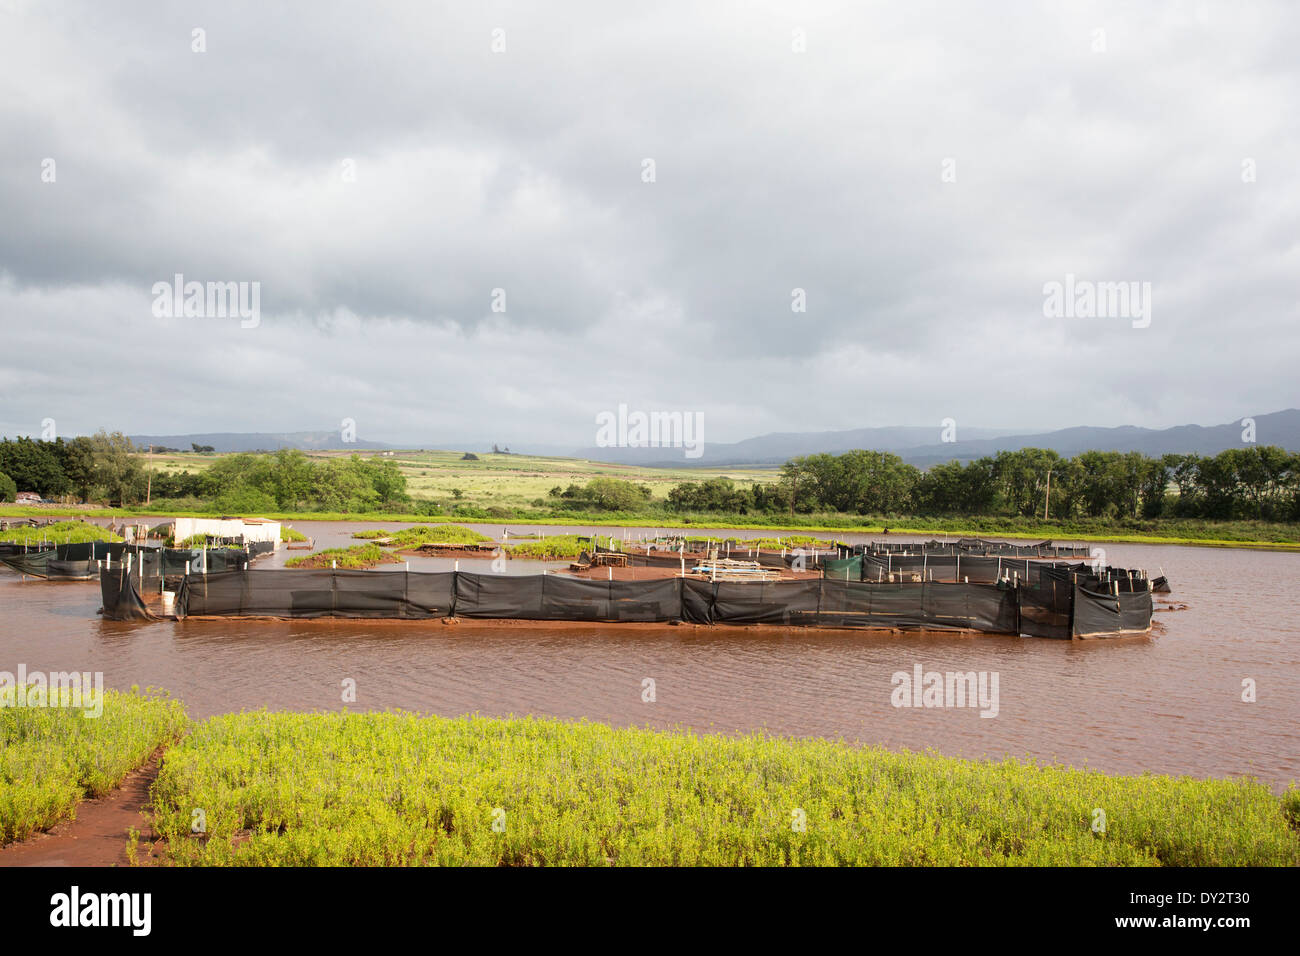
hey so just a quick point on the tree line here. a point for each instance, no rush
(96, 467)
(107, 468)
(1255, 482)
(1249, 483)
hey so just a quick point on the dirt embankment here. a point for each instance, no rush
(469, 553)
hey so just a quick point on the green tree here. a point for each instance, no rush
(718, 495)
(797, 485)
(614, 494)
(343, 485)
(77, 458)
(33, 466)
(116, 473)
(290, 477)
(387, 480)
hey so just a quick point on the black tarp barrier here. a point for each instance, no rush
(984, 607)
(122, 602)
(555, 597)
(317, 593)
(697, 601)
(33, 563)
(1045, 609)
(1098, 614)
(974, 547)
(82, 560)
(765, 559)
(191, 560)
(767, 602)
(77, 560)
(975, 569)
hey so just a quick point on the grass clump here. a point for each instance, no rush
(62, 532)
(423, 534)
(289, 534)
(555, 547)
(356, 558)
(51, 757)
(398, 788)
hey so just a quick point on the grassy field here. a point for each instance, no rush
(502, 481)
(53, 757)
(393, 788)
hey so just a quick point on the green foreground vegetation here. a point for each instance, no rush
(396, 788)
(52, 757)
(399, 788)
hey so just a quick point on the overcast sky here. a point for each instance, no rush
(920, 170)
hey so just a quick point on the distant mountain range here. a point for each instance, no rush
(914, 444)
(919, 446)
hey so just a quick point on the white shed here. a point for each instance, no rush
(250, 529)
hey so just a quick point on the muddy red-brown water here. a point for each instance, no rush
(1171, 703)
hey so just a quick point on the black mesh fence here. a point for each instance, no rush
(316, 593)
(1106, 614)
(1060, 603)
(83, 560)
(810, 559)
(77, 560)
(974, 547)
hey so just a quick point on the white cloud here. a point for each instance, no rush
(521, 171)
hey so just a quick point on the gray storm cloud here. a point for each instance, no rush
(919, 170)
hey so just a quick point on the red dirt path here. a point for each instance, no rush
(99, 834)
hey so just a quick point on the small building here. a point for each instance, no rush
(27, 498)
(250, 530)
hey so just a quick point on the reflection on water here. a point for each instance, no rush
(1169, 704)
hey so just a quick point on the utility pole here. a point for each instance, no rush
(148, 488)
(1048, 499)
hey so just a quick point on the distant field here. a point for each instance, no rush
(503, 481)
